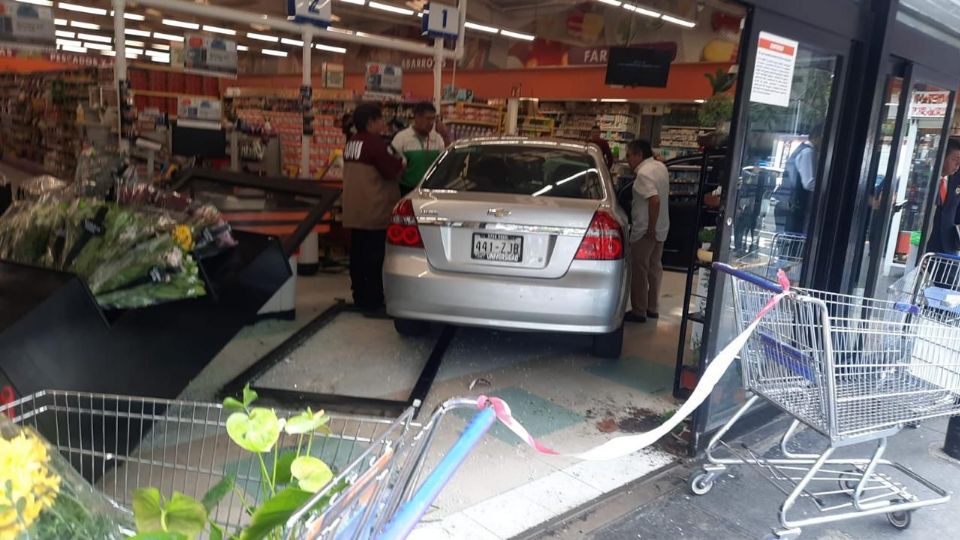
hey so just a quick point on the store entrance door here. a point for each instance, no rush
(907, 157)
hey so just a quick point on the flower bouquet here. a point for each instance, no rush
(43, 498)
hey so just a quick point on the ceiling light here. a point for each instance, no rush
(354, 2)
(109, 53)
(699, 101)
(181, 24)
(642, 11)
(131, 50)
(94, 37)
(82, 9)
(330, 48)
(135, 32)
(131, 43)
(168, 37)
(271, 52)
(156, 53)
(60, 22)
(391, 9)
(613, 3)
(219, 30)
(69, 43)
(73, 49)
(481, 27)
(85, 26)
(263, 37)
(161, 59)
(677, 20)
(97, 46)
(295, 42)
(163, 47)
(613, 100)
(131, 16)
(339, 31)
(44, 3)
(517, 35)
(64, 33)
(243, 48)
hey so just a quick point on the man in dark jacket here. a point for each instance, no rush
(945, 238)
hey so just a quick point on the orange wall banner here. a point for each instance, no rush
(687, 82)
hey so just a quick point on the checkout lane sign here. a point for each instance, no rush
(315, 12)
(773, 70)
(26, 25)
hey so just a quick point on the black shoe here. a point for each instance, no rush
(653, 315)
(633, 317)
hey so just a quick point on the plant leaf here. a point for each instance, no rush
(283, 467)
(147, 510)
(232, 404)
(214, 495)
(305, 422)
(249, 396)
(275, 512)
(185, 515)
(311, 473)
(216, 532)
(254, 432)
(160, 535)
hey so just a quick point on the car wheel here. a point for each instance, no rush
(608, 345)
(411, 328)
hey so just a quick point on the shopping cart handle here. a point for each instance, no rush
(747, 276)
(410, 513)
(951, 256)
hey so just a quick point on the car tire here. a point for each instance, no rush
(608, 345)
(411, 328)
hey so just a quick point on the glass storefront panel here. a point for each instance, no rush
(777, 190)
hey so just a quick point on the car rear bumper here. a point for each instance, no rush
(590, 298)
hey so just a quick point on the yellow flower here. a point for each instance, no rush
(183, 236)
(24, 476)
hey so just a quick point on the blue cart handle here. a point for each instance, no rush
(950, 256)
(410, 513)
(747, 276)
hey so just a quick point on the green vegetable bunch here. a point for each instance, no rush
(288, 483)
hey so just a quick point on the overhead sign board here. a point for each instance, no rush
(316, 12)
(929, 104)
(773, 70)
(440, 21)
(384, 78)
(26, 25)
(210, 55)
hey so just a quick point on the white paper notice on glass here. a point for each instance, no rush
(773, 71)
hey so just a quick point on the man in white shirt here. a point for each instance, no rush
(651, 223)
(420, 144)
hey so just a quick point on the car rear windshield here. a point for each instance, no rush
(518, 170)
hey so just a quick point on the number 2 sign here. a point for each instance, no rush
(310, 11)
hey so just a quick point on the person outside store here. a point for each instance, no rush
(420, 144)
(795, 194)
(945, 236)
(651, 223)
(596, 139)
(370, 191)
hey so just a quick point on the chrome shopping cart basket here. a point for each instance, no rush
(852, 369)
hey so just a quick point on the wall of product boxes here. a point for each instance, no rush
(467, 120)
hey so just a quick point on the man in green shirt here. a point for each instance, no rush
(420, 144)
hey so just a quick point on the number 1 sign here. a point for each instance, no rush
(310, 11)
(441, 21)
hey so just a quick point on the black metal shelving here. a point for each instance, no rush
(711, 172)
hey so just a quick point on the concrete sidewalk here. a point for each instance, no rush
(743, 504)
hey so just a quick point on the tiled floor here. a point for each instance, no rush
(552, 383)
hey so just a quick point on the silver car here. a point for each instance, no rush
(512, 233)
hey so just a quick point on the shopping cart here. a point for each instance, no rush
(776, 251)
(934, 287)
(121, 444)
(854, 370)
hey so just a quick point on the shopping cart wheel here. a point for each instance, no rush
(783, 534)
(701, 483)
(900, 520)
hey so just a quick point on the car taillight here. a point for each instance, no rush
(603, 241)
(403, 230)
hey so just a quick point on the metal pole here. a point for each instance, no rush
(437, 71)
(120, 73)
(306, 95)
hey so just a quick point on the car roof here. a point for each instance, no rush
(566, 144)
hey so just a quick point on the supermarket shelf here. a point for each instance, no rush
(468, 104)
(174, 95)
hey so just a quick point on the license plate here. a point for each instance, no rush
(497, 247)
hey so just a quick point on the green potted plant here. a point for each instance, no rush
(717, 110)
